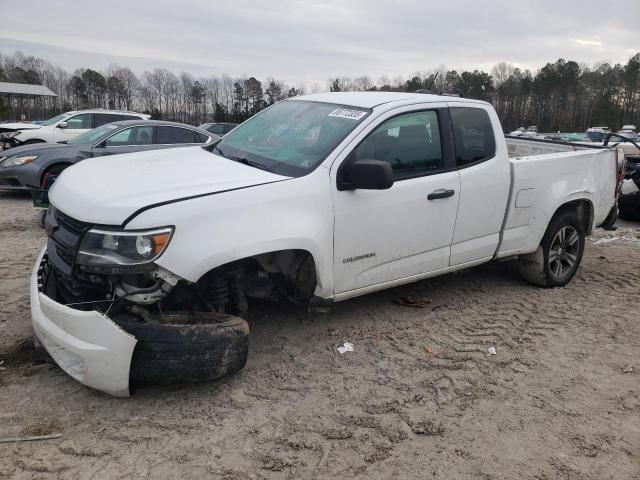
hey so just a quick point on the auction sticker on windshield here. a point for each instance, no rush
(348, 113)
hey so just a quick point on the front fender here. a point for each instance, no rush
(211, 231)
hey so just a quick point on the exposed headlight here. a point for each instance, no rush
(11, 134)
(15, 161)
(109, 248)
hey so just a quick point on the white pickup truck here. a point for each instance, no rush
(316, 199)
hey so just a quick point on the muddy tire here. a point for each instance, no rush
(166, 353)
(558, 257)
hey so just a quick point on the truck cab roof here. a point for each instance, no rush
(375, 99)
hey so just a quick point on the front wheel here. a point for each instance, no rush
(558, 257)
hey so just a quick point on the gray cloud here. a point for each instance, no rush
(300, 41)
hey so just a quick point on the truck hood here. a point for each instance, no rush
(108, 190)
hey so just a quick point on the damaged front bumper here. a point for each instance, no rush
(85, 344)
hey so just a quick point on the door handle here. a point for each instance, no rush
(440, 193)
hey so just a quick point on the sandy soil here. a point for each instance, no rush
(557, 401)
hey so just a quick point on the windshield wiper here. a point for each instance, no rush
(251, 163)
(243, 160)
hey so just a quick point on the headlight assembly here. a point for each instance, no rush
(15, 161)
(112, 248)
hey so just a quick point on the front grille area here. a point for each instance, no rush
(65, 234)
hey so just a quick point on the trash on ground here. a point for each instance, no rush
(416, 302)
(606, 240)
(492, 350)
(346, 347)
(628, 369)
(30, 439)
(433, 353)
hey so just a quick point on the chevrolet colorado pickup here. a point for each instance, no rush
(151, 256)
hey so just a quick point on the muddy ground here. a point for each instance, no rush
(559, 400)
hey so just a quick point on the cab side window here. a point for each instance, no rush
(80, 121)
(473, 134)
(410, 143)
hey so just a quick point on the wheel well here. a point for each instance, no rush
(583, 209)
(33, 140)
(287, 273)
(50, 168)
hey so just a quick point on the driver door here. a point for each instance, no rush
(389, 236)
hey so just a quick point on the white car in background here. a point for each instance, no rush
(66, 126)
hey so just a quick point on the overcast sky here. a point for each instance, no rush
(304, 41)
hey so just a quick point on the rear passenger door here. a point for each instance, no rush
(133, 139)
(485, 180)
(168, 136)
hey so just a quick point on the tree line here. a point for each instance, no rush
(561, 96)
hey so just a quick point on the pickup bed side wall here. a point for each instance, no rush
(543, 183)
(213, 230)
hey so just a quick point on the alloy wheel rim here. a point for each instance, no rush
(564, 250)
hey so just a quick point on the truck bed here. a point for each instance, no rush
(545, 175)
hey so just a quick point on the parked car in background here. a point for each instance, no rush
(629, 200)
(7, 128)
(628, 131)
(220, 129)
(65, 127)
(29, 165)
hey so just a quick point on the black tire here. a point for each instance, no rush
(536, 267)
(629, 215)
(32, 141)
(42, 218)
(629, 206)
(168, 353)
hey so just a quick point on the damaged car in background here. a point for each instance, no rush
(152, 258)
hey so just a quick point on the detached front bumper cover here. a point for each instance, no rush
(85, 344)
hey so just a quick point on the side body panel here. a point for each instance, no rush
(543, 183)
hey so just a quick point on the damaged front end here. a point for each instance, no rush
(111, 317)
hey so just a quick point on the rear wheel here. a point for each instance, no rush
(558, 257)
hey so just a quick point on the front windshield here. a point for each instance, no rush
(55, 119)
(93, 135)
(292, 137)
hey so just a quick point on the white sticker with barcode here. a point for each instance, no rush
(348, 113)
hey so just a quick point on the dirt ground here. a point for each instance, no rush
(419, 397)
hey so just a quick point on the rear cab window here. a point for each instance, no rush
(473, 135)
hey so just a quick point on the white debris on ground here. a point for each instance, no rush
(345, 347)
(600, 237)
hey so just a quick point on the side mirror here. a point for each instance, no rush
(368, 175)
(63, 125)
